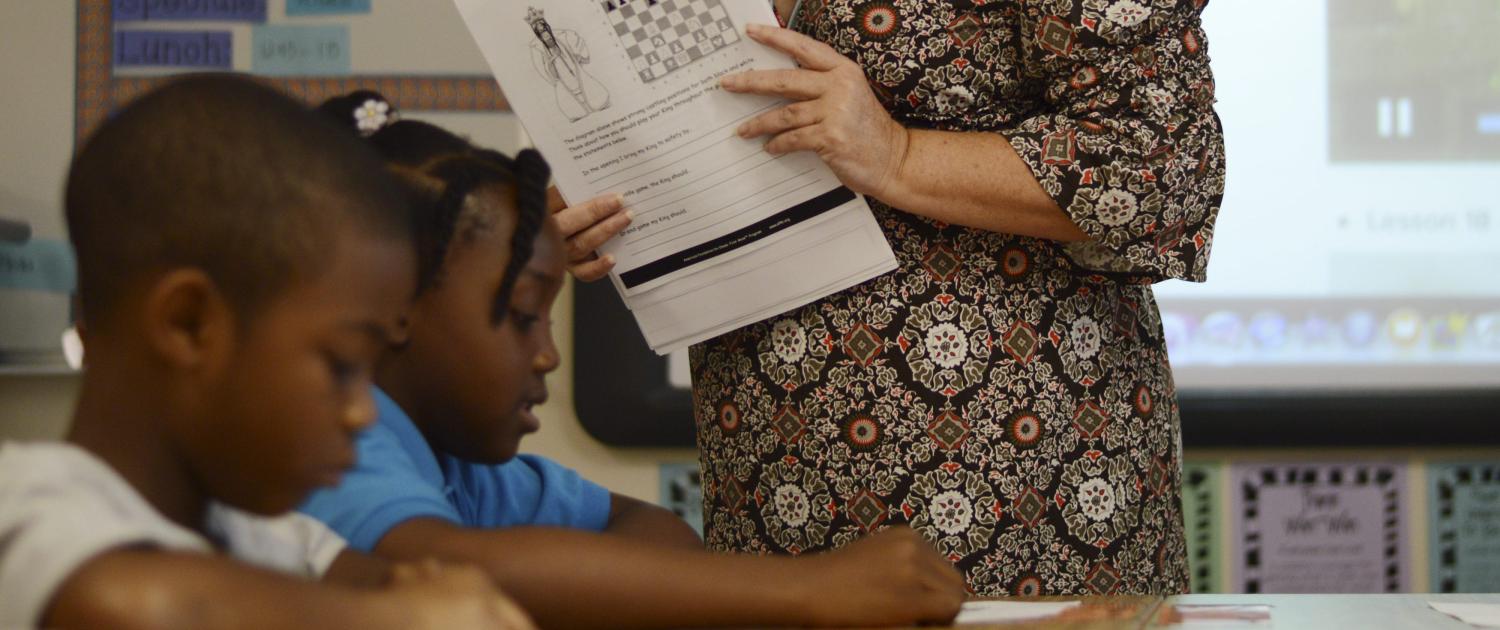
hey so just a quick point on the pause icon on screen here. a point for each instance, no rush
(1393, 117)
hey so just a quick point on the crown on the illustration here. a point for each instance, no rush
(535, 16)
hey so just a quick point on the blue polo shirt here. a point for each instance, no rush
(398, 477)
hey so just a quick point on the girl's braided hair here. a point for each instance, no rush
(440, 172)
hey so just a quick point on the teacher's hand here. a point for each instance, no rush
(584, 228)
(834, 112)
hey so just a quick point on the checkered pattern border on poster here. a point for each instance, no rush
(1387, 477)
(1446, 482)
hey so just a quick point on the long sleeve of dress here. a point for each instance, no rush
(1128, 144)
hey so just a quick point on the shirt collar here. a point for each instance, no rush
(392, 418)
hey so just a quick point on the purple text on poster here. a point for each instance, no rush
(200, 10)
(174, 49)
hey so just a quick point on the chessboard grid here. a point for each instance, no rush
(662, 36)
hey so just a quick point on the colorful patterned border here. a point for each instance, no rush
(1453, 570)
(99, 92)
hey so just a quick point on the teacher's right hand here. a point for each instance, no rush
(834, 112)
(585, 227)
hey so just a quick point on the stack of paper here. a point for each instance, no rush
(1008, 611)
(1217, 615)
(1475, 614)
(622, 97)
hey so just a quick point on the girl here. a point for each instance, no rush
(438, 474)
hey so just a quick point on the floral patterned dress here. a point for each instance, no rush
(1008, 397)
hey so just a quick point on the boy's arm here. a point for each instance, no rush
(158, 589)
(638, 520)
(358, 569)
(568, 578)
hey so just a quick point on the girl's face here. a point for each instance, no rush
(472, 368)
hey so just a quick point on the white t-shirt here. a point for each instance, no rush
(60, 506)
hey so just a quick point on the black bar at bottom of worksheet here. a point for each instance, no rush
(738, 238)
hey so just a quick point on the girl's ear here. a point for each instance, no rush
(187, 321)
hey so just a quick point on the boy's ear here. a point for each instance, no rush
(187, 320)
(402, 332)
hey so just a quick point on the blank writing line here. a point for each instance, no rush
(747, 156)
(669, 230)
(709, 227)
(705, 136)
(645, 212)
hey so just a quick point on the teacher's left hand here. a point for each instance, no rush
(834, 112)
(584, 228)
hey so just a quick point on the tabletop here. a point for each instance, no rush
(1287, 612)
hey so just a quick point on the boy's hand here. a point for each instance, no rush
(892, 577)
(585, 227)
(446, 596)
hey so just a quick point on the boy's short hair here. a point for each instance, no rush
(223, 174)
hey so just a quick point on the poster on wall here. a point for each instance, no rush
(1464, 527)
(1331, 527)
(1201, 509)
(682, 493)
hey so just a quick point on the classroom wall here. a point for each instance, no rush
(36, 136)
(36, 110)
(37, 40)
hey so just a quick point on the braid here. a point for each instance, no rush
(531, 175)
(436, 228)
(440, 171)
(462, 175)
(503, 161)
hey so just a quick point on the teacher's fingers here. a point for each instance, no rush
(571, 221)
(780, 120)
(555, 200)
(798, 85)
(583, 244)
(801, 139)
(809, 53)
(591, 270)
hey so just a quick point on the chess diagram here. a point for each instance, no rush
(662, 36)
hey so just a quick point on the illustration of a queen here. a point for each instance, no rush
(560, 58)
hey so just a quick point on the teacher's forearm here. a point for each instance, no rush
(974, 179)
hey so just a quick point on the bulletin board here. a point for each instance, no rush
(417, 53)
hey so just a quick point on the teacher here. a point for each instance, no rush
(1036, 166)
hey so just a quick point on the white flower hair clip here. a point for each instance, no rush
(373, 115)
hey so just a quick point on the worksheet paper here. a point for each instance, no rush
(622, 96)
(1477, 614)
(1009, 611)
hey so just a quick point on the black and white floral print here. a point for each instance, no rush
(1008, 397)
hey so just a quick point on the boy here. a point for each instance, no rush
(241, 263)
